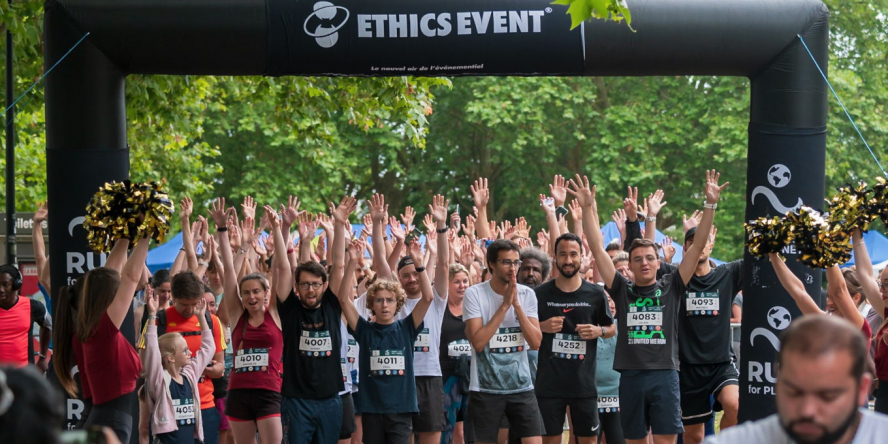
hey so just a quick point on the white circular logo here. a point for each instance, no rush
(779, 318)
(779, 175)
(324, 22)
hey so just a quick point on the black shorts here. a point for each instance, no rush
(252, 404)
(649, 399)
(387, 428)
(487, 409)
(583, 414)
(698, 383)
(430, 399)
(348, 416)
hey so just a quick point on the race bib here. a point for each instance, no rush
(386, 363)
(650, 316)
(251, 360)
(183, 411)
(704, 303)
(422, 341)
(567, 346)
(459, 347)
(608, 404)
(344, 366)
(352, 353)
(315, 343)
(507, 340)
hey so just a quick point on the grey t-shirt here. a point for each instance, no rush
(502, 368)
(873, 429)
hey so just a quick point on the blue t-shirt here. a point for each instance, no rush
(386, 366)
(183, 412)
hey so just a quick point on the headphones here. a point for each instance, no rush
(12, 271)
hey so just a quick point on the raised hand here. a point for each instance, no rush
(200, 310)
(290, 212)
(548, 207)
(469, 227)
(185, 208)
(395, 227)
(523, 227)
(429, 223)
(480, 192)
(42, 212)
(584, 194)
(415, 251)
(576, 211)
(438, 208)
(523, 242)
(558, 190)
(587, 262)
(691, 222)
(407, 218)
(205, 227)
(543, 239)
(219, 213)
(619, 218)
(151, 302)
(455, 221)
(346, 207)
(466, 253)
(668, 249)
(713, 190)
(325, 222)
(234, 236)
(248, 208)
(248, 231)
(432, 241)
(368, 223)
(308, 226)
(630, 204)
(272, 216)
(378, 209)
(653, 203)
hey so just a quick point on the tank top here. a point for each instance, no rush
(881, 358)
(257, 354)
(183, 411)
(111, 364)
(453, 343)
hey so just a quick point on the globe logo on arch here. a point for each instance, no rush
(779, 318)
(324, 23)
(779, 175)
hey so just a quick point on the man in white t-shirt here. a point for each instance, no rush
(500, 315)
(821, 384)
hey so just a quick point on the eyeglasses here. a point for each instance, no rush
(507, 263)
(312, 285)
(883, 285)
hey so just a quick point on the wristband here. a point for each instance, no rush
(650, 218)
(443, 230)
(365, 268)
(289, 250)
(420, 269)
(41, 355)
(710, 206)
(602, 330)
(221, 229)
(385, 238)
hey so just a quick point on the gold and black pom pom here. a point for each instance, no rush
(819, 244)
(878, 204)
(127, 210)
(767, 235)
(851, 208)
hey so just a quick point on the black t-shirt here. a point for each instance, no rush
(311, 348)
(185, 408)
(453, 343)
(386, 366)
(648, 317)
(704, 335)
(567, 363)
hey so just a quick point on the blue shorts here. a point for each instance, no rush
(649, 399)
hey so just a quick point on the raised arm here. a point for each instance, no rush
(438, 210)
(837, 290)
(379, 214)
(39, 247)
(185, 208)
(652, 205)
(551, 222)
(129, 280)
(425, 285)
(399, 237)
(355, 249)
(480, 196)
(230, 295)
(791, 283)
(307, 229)
(117, 256)
(712, 190)
(341, 227)
(869, 282)
(280, 263)
(585, 196)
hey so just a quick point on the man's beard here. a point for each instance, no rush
(530, 281)
(827, 437)
(573, 273)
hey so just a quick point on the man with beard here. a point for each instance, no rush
(821, 384)
(534, 267)
(500, 314)
(573, 316)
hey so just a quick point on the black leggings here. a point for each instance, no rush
(882, 397)
(115, 414)
(611, 428)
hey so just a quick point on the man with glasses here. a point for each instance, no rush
(500, 315)
(311, 407)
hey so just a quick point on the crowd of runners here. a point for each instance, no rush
(484, 332)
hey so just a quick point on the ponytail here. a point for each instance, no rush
(64, 320)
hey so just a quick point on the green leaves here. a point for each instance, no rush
(582, 10)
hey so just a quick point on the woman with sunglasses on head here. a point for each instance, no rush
(254, 392)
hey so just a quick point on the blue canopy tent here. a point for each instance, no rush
(877, 247)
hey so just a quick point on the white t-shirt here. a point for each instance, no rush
(873, 429)
(502, 368)
(426, 361)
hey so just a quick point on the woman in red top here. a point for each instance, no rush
(254, 391)
(876, 292)
(110, 363)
